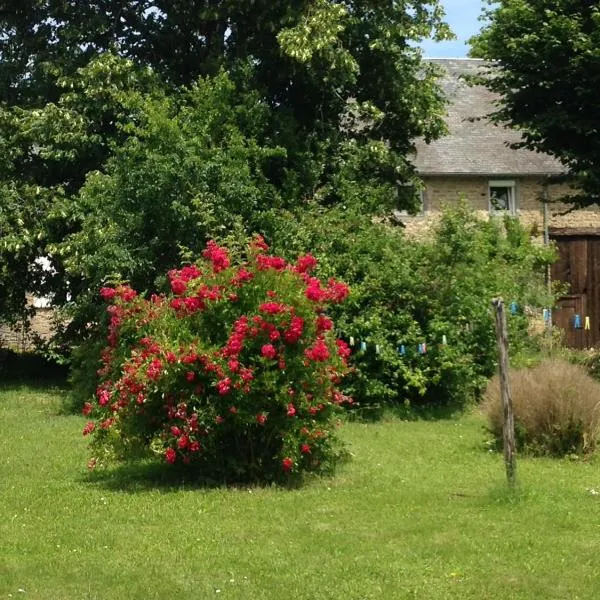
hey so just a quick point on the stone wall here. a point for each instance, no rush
(20, 339)
(529, 207)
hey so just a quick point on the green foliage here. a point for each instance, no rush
(405, 293)
(234, 373)
(48, 154)
(546, 56)
(86, 86)
(556, 408)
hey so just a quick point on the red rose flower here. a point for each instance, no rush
(314, 291)
(287, 463)
(305, 449)
(178, 286)
(224, 386)
(107, 293)
(90, 426)
(272, 308)
(154, 369)
(318, 351)
(270, 262)
(170, 456)
(324, 324)
(305, 263)
(87, 408)
(261, 419)
(218, 256)
(343, 349)
(258, 243)
(337, 291)
(268, 351)
(294, 332)
(103, 397)
(291, 410)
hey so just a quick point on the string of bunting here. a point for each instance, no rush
(361, 346)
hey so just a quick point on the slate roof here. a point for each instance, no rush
(475, 147)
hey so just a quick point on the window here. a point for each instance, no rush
(409, 195)
(502, 197)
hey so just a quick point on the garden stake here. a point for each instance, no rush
(508, 428)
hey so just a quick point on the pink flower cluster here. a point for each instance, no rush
(218, 256)
(230, 347)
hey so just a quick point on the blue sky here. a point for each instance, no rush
(462, 17)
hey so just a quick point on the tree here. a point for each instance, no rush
(342, 86)
(546, 69)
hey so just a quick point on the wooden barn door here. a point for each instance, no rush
(579, 266)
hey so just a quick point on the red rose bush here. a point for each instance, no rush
(234, 372)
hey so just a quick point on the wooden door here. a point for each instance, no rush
(578, 265)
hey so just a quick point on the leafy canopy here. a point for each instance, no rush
(330, 96)
(546, 57)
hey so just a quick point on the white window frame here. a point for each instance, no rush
(511, 186)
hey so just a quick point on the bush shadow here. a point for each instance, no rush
(31, 369)
(147, 475)
(373, 413)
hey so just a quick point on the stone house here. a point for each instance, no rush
(475, 161)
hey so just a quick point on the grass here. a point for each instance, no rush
(421, 512)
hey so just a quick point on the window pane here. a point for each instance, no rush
(500, 198)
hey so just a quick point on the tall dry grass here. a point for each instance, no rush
(556, 406)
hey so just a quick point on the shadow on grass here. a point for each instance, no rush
(29, 369)
(380, 412)
(149, 475)
(503, 494)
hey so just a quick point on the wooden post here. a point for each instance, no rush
(508, 428)
(546, 218)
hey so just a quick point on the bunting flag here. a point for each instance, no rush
(587, 323)
(577, 321)
(514, 308)
(362, 346)
(546, 314)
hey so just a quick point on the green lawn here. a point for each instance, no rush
(420, 512)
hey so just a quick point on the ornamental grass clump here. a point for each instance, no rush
(234, 373)
(556, 407)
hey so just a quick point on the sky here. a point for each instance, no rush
(462, 17)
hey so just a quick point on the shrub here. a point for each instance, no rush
(407, 292)
(556, 407)
(234, 372)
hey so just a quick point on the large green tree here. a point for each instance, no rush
(546, 69)
(330, 96)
